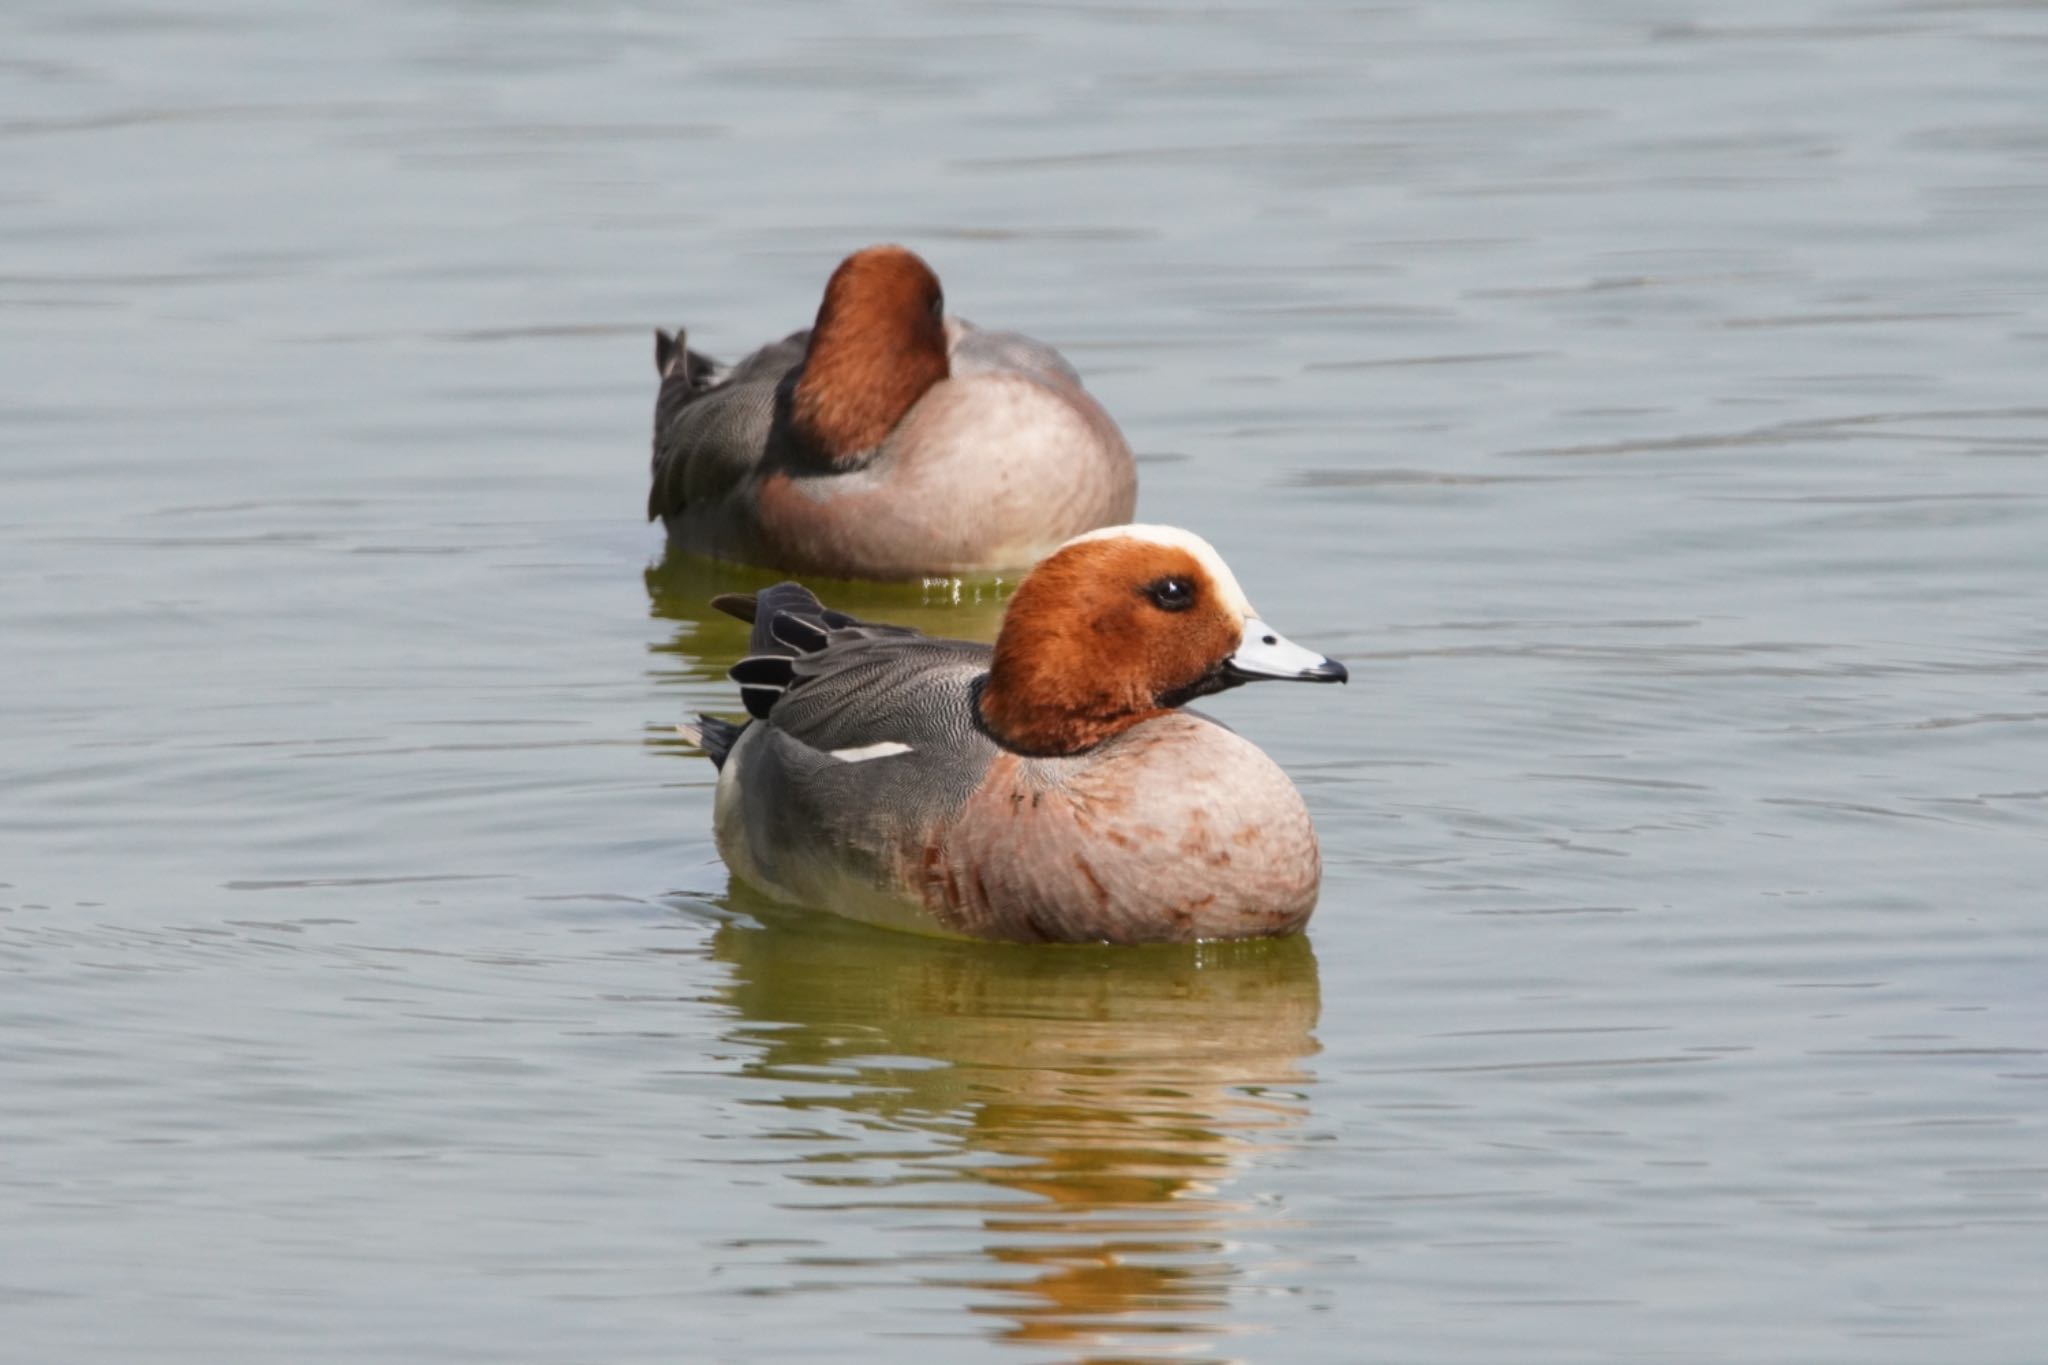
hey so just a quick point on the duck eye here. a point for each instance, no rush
(939, 306)
(1171, 594)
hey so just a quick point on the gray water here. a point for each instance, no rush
(1646, 400)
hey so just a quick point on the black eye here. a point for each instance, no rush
(1171, 594)
(939, 306)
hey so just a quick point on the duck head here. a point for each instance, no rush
(878, 344)
(1122, 624)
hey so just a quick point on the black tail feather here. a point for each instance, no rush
(716, 738)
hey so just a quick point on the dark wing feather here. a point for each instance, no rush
(789, 619)
(740, 604)
(797, 638)
(792, 600)
(763, 678)
(831, 681)
(898, 685)
(711, 426)
(804, 635)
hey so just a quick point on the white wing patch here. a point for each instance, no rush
(887, 748)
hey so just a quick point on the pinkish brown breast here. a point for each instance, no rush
(1175, 830)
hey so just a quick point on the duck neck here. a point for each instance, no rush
(1042, 712)
(859, 382)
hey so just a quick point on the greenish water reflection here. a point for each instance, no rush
(1087, 1112)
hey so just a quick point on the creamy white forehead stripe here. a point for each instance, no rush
(885, 749)
(1175, 538)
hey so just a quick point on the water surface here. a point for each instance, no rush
(1645, 400)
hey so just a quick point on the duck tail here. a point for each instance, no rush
(673, 359)
(714, 736)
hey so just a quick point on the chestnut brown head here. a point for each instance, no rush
(1122, 624)
(879, 343)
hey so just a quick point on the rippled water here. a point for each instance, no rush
(1646, 400)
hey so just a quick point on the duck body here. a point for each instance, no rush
(877, 780)
(889, 441)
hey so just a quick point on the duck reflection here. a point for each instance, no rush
(707, 642)
(1094, 1106)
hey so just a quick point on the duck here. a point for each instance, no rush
(1051, 788)
(889, 441)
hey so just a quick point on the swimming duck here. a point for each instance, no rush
(889, 441)
(1048, 789)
